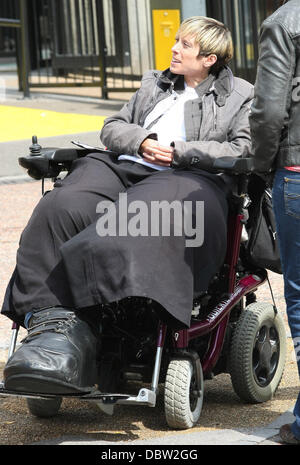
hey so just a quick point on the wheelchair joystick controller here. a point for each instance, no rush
(35, 148)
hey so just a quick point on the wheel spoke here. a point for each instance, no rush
(260, 339)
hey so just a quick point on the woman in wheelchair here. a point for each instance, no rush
(83, 248)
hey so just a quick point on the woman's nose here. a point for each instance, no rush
(175, 47)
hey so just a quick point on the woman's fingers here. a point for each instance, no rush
(157, 162)
(158, 159)
(148, 156)
(164, 157)
(156, 153)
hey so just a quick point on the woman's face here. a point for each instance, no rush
(186, 59)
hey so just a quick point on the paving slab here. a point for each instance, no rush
(229, 437)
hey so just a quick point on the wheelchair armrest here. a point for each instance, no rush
(50, 161)
(232, 165)
(64, 155)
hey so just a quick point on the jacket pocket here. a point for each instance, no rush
(292, 197)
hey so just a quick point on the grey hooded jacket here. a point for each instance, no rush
(275, 113)
(216, 123)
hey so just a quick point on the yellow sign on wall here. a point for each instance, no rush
(165, 26)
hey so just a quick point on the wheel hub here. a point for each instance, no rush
(265, 354)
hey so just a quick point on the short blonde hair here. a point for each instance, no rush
(212, 36)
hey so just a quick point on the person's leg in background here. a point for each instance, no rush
(286, 201)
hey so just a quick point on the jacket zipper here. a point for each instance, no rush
(215, 115)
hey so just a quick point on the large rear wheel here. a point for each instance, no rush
(258, 352)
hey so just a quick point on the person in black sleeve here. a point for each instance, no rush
(275, 122)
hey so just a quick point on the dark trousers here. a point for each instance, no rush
(44, 277)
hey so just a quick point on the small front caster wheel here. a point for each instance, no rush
(183, 398)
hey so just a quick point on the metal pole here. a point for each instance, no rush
(255, 31)
(24, 48)
(13, 341)
(158, 356)
(102, 49)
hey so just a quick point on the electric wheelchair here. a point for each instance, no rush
(230, 332)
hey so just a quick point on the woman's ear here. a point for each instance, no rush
(210, 60)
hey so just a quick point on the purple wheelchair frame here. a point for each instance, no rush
(216, 321)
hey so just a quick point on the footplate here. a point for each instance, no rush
(105, 401)
(93, 395)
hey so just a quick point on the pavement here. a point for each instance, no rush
(57, 120)
(261, 436)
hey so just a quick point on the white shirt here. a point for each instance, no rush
(168, 116)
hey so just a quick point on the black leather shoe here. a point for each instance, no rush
(58, 356)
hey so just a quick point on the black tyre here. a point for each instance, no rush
(44, 408)
(258, 352)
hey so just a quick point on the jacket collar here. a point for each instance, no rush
(222, 84)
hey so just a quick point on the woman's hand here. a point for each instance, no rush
(155, 153)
